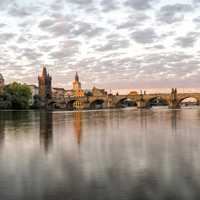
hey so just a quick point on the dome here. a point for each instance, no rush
(1, 77)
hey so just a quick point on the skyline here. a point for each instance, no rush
(130, 44)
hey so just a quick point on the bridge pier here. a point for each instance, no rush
(174, 105)
(141, 104)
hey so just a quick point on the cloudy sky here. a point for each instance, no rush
(121, 44)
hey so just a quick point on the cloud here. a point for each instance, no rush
(86, 5)
(109, 5)
(133, 21)
(67, 26)
(187, 41)
(21, 39)
(113, 45)
(196, 1)
(196, 21)
(157, 46)
(101, 39)
(139, 4)
(22, 11)
(57, 5)
(2, 25)
(173, 13)
(5, 3)
(57, 26)
(45, 24)
(30, 54)
(145, 36)
(66, 49)
(80, 2)
(86, 29)
(5, 37)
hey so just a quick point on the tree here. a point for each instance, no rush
(17, 95)
(37, 102)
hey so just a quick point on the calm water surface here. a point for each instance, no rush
(104, 155)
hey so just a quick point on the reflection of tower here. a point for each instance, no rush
(143, 119)
(78, 126)
(46, 130)
(2, 129)
(45, 90)
(174, 120)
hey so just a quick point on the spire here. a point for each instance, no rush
(76, 77)
(1, 77)
(44, 70)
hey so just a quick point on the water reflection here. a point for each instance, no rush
(143, 119)
(78, 126)
(46, 130)
(125, 154)
(174, 114)
(2, 129)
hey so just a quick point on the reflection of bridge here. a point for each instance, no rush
(173, 100)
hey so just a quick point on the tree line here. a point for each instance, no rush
(15, 96)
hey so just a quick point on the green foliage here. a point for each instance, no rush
(17, 96)
(36, 102)
(88, 93)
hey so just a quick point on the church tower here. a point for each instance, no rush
(76, 83)
(45, 88)
(77, 90)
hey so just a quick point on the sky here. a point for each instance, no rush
(118, 44)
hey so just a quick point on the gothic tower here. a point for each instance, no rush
(77, 87)
(45, 89)
(76, 83)
(1, 82)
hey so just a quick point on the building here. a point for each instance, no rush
(98, 92)
(77, 90)
(68, 93)
(1, 82)
(45, 88)
(34, 91)
(59, 93)
(133, 93)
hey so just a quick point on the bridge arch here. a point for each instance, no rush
(74, 105)
(52, 105)
(181, 100)
(125, 102)
(97, 104)
(157, 101)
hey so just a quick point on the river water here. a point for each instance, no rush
(100, 155)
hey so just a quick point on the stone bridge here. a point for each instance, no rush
(172, 100)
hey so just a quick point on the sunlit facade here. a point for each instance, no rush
(77, 90)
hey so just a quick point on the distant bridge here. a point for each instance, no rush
(172, 100)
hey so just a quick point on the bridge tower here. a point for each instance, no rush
(174, 104)
(141, 103)
(45, 87)
(1, 82)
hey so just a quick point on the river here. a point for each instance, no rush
(100, 155)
